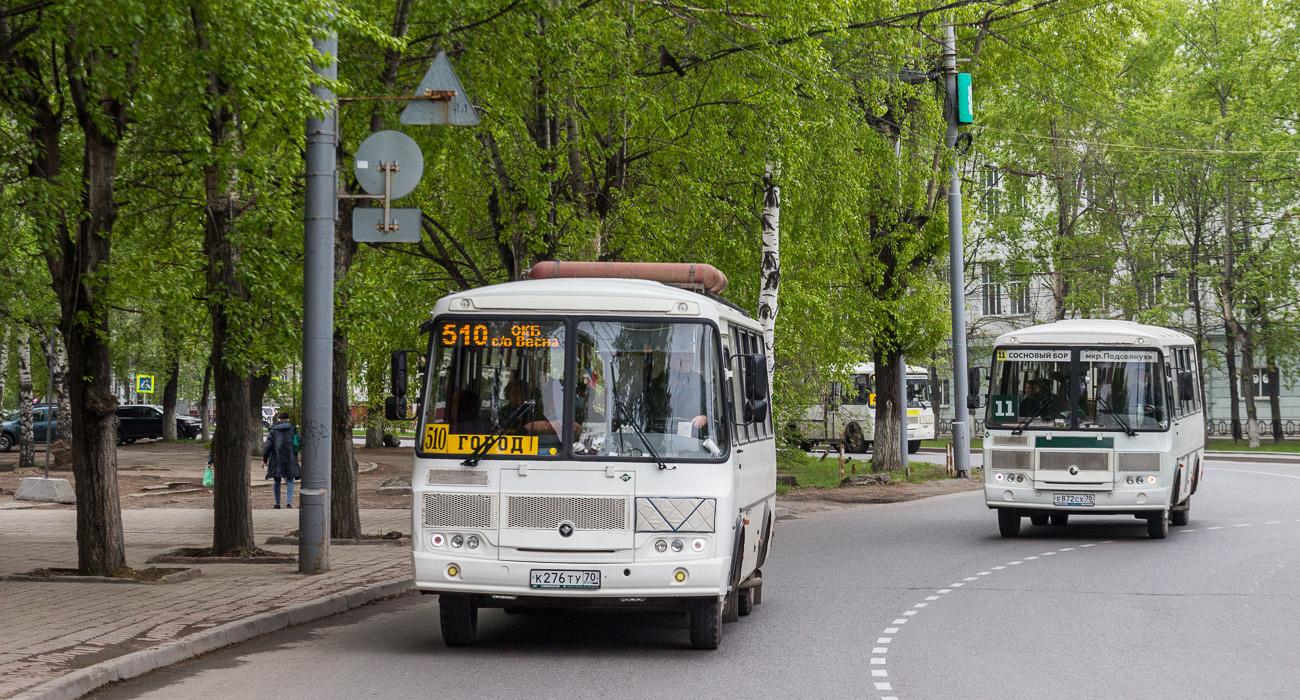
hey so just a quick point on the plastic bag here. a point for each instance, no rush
(297, 444)
(207, 476)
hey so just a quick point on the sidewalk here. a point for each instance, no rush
(61, 640)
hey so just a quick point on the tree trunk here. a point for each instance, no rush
(26, 440)
(770, 265)
(1248, 387)
(205, 428)
(890, 408)
(170, 389)
(257, 385)
(1230, 358)
(4, 364)
(1274, 398)
(60, 369)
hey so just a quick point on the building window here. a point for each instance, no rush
(1263, 382)
(1018, 297)
(945, 392)
(991, 292)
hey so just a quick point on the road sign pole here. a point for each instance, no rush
(956, 259)
(318, 322)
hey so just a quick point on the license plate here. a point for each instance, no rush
(554, 578)
(1074, 499)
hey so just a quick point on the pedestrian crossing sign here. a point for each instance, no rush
(144, 383)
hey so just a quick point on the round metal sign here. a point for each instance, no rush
(382, 150)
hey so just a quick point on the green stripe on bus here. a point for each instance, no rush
(1075, 442)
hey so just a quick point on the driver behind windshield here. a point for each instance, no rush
(680, 404)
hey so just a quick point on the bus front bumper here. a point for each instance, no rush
(1117, 501)
(499, 577)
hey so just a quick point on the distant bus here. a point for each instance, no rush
(848, 414)
(1093, 417)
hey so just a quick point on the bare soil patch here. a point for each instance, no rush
(159, 474)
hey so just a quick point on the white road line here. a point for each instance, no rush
(880, 650)
(891, 630)
(884, 640)
(910, 612)
(1014, 563)
(1066, 549)
(1030, 558)
(902, 621)
(1048, 554)
(1242, 525)
(1220, 527)
(999, 568)
(945, 590)
(877, 661)
(970, 578)
(932, 597)
(883, 686)
(918, 605)
(956, 585)
(1247, 471)
(879, 673)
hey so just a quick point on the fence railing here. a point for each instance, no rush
(1213, 428)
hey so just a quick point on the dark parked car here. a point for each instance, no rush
(41, 426)
(143, 422)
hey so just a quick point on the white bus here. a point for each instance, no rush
(1093, 417)
(592, 442)
(848, 414)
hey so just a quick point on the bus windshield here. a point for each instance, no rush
(482, 376)
(918, 391)
(644, 385)
(1118, 389)
(642, 389)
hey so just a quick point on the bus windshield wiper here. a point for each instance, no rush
(1111, 412)
(477, 454)
(622, 411)
(1021, 428)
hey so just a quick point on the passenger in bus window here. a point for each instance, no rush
(1037, 401)
(686, 389)
(467, 418)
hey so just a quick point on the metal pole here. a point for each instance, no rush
(50, 406)
(960, 436)
(318, 323)
(902, 386)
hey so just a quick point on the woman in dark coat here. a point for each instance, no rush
(280, 458)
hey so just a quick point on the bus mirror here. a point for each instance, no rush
(755, 411)
(974, 401)
(973, 381)
(1186, 386)
(756, 378)
(395, 408)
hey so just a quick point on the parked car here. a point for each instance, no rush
(144, 422)
(42, 427)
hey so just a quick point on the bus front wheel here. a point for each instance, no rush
(459, 618)
(853, 439)
(913, 446)
(1158, 525)
(745, 602)
(1040, 519)
(706, 623)
(1060, 519)
(1009, 522)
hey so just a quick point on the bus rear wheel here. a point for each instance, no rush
(1009, 522)
(1158, 525)
(745, 602)
(1060, 519)
(1180, 515)
(913, 446)
(459, 618)
(706, 623)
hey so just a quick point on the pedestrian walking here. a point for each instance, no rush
(280, 457)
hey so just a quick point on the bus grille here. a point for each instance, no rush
(1012, 459)
(457, 477)
(1139, 462)
(460, 510)
(1085, 461)
(547, 512)
(1011, 441)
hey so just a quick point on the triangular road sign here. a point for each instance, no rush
(456, 111)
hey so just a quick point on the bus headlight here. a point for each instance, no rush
(697, 545)
(472, 542)
(999, 476)
(457, 541)
(1151, 480)
(661, 546)
(437, 540)
(678, 545)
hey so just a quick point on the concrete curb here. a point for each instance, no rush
(82, 681)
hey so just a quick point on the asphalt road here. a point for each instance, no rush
(914, 601)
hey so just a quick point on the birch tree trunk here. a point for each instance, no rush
(770, 272)
(60, 369)
(4, 363)
(26, 441)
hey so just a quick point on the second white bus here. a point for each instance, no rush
(1093, 417)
